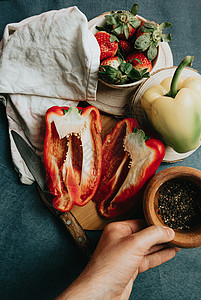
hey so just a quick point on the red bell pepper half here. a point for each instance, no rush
(72, 154)
(130, 159)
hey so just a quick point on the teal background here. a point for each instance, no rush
(38, 259)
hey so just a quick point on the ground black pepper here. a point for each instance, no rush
(179, 204)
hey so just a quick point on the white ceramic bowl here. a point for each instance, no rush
(157, 62)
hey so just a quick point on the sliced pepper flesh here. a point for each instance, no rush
(129, 161)
(72, 154)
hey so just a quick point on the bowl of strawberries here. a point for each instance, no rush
(130, 47)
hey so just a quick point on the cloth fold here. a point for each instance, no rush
(45, 60)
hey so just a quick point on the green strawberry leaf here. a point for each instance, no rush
(126, 30)
(107, 28)
(165, 25)
(126, 68)
(100, 28)
(110, 70)
(134, 22)
(123, 80)
(120, 58)
(166, 37)
(145, 29)
(108, 73)
(137, 59)
(111, 20)
(135, 75)
(143, 42)
(113, 38)
(146, 75)
(112, 75)
(152, 52)
(118, 29)
(150, 25)
(134, 9)
(143, 72)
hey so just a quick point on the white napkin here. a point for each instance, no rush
(49, 59)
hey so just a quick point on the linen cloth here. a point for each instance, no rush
(45, 60)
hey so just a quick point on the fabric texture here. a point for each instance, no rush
(46, 60)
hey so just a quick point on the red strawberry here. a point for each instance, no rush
(107, 48)
(125, 47)
(124, 22)
(111, 61)
(122, 35)
(139, 61)
(139, 32)
(110, 72)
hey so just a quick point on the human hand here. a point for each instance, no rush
(124, 250)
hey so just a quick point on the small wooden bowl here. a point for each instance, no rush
(189, 238)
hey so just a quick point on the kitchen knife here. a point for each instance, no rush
(37, 169)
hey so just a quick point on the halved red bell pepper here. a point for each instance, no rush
(72, 154)
(130, 159)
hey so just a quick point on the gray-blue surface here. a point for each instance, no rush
(38, 259)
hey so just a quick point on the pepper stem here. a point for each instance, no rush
(187, 61)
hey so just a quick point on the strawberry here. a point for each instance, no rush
(112, 62)
(139, 61)
(124, 22)
(115, 70)
(148, 36)
(108, 48)
(124, 35)
(139, 32)
(125, 47)
(109, 70)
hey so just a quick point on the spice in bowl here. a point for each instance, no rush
(179, 204)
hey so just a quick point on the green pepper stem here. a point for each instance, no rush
(187, 61)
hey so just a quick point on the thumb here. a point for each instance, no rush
(153, 235)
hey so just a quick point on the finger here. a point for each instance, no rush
(156, 248)
(159, 247)
(156, 259)
(124, 228)
(135, 225)
(153, 235)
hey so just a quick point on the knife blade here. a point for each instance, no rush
(37, 169)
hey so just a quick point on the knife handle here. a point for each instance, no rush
(71, 224)
(78, 233)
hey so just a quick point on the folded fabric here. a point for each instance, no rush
(45, 60)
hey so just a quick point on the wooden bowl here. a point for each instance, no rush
(188, 238)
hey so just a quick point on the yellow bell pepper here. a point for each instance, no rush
(176, 115)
